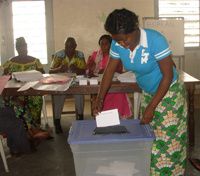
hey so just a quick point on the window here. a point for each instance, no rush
(189, 9)
(29, 22)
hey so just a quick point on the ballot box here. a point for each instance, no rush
(118, 154)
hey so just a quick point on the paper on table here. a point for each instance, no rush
(26, 76)
(53, 87)
(14, 84)
(127, 77)
(100, 76)
(28, 85)
(108, 118)
(55, 78)
(37, 85)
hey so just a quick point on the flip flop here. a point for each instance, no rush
(195, 162)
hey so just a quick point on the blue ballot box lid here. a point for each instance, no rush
(82, 132)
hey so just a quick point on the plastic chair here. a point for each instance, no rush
(3, 156)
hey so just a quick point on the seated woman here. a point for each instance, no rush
(13, 128)
(95, 65)
(28, 108)
(17, 138)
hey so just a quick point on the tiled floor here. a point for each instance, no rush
(54, 157)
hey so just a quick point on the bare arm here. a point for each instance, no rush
(166, 66)
(105, 83)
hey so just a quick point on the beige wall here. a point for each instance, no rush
(84, 19)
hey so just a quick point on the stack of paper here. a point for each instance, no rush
(26, 76)
(93, 81)
(127, 77)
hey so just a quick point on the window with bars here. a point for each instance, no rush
(29, 21)
(189, 9)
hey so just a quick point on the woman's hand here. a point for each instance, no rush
(97, 105)
(148, 115)
(91, 65)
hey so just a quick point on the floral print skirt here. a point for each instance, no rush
(168, 157)
(28, 108)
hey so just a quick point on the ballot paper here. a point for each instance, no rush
(108, 118)
(93, 81)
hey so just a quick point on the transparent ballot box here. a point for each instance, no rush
(112, 154)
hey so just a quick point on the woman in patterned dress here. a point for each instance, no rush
(147, 53)
(26, 107)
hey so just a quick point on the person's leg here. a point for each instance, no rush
(57, 104)
(79, 106)
(170, 127)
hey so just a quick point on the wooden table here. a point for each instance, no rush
(189, 81)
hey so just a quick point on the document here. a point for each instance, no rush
(108, 118)
(55, 78)
(27, 76)
(27, 86)
(127, 77)
(37, 85)
(54, 87)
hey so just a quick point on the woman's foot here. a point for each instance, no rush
(196, 163)
(40, 134)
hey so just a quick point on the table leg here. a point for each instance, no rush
(53, 107)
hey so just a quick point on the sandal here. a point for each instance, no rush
(195, 162)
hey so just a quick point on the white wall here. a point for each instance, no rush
(192, 62)
(84, 19)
